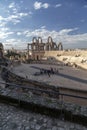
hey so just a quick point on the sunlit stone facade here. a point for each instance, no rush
(37, 48)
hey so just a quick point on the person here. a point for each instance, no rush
(41, 71)
(26, 77)
(57, 71)
(48, 73)
(52, 71)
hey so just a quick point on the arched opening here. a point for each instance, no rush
(50, 39)
(39, 40)
(60, 46)
(34, 40)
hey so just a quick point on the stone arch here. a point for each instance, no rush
(34, 43)
(54, 46)
(60, 46)
(50, 39)
(49, 44)
(34, 40)
(39, 40)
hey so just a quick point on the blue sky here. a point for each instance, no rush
(64, 20)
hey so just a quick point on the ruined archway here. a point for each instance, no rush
(34, 44)
(50, 39)
(60, 46)
(34, 40)
(49, 44)
(39, 40)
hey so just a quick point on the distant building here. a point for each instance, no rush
(37, 48)
(3, 60)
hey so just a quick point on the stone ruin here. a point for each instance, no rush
(37, 48)
(3, 59)
(39, 45)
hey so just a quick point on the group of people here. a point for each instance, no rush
(49, 71)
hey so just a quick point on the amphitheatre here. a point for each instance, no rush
(70, 64)
(49, 78)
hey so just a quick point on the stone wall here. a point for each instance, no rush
(44, 105)
(54, 90)
(10, 77)
(41, 102)
(75, 58)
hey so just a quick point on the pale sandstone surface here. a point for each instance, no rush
(78, 57)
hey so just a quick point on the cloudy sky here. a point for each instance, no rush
(64, 20)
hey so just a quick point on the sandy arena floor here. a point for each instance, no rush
(67, 77)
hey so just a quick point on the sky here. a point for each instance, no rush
(64, 20)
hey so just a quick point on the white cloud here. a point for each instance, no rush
(45, 33)
(19, 33)
(13, 8)
(17, 16)
(57, 36)
(22, 14)
(11, 40)
(39, 5)
(15, 43)
(43, 27)
(4, 29)
(66, 31)
(2, 24)
(1, 18)
(58, 5)
(5, 34)
(13, 14)
(14, 18)
(45, 5)
(62, 35)
(12, 5)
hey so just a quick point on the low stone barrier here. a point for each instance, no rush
(10, 77)
(38, 103)
(44, 105)
(13, 78)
